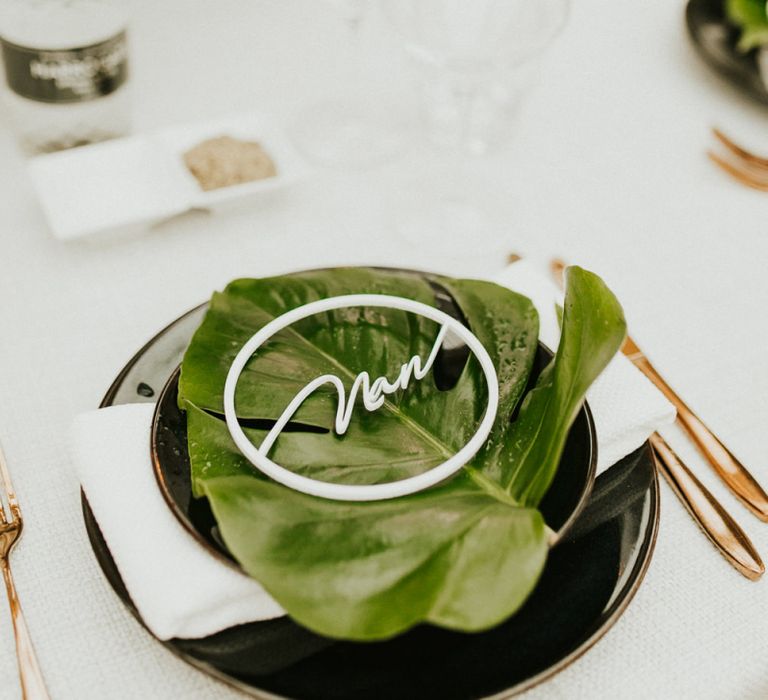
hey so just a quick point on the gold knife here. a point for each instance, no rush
(722, 530)
(727, 467)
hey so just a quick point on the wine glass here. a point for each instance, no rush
(464, 46)
(346, 129)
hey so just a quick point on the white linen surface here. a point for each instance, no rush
(606, 168)
(183, 591)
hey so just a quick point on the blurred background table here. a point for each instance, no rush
(606, 168)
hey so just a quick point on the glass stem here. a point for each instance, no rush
(463, 92)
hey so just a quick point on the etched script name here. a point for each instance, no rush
(373, 393)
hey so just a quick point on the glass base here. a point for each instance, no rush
(338, 135)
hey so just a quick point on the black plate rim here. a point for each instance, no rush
(101, 551)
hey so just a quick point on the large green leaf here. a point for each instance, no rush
(464, 554)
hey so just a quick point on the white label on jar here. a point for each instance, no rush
(69, 75)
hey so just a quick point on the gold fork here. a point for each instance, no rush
(32, 683)
(746, 167)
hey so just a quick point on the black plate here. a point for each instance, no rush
(588, 581)
(715, 39)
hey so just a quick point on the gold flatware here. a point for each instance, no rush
(728, 468)
(746, 167)
(722, 530)
(32, 683)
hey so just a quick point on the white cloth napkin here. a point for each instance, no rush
(179, 589)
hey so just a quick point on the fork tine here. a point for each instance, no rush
(744, 154)
(5, 477)
(30, 675)
(744, 177)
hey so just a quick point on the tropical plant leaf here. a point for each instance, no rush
(464, 554)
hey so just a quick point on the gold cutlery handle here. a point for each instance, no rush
(32, 683)
(728, 468)
(713, 519)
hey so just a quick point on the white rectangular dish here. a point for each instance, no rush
(141, 180)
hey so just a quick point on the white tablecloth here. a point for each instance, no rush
(607, 168)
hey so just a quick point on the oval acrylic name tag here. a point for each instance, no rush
(373, 395)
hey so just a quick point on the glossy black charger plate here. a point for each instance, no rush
(590, 577)
(715, 39)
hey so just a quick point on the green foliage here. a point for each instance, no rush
(752, 18)
(464, 554)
